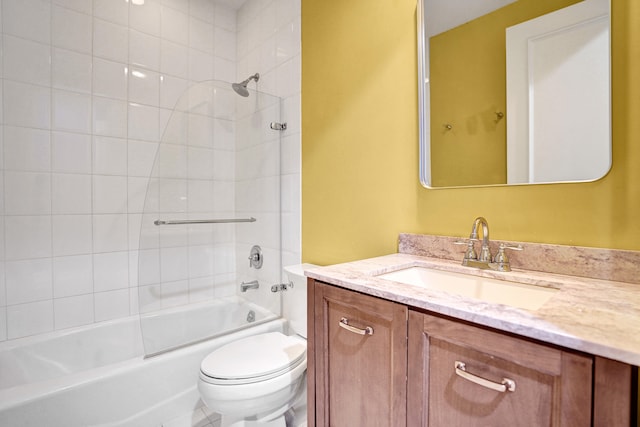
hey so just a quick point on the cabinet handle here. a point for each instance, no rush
(344, 323)
(505, 385)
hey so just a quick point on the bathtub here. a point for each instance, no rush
(99, 375)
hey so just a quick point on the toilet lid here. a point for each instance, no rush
(257, 357)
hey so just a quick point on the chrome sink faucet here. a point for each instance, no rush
(485, 252)
(485, 261)
(471, 258)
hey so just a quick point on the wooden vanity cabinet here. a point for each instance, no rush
(404, 374)
(358, 375)
(464, 375)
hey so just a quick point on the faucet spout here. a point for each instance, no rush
(485, 261)
(244, 286)
(485, 253)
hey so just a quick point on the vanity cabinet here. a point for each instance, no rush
(360, 348)
(418, 368)
(464, 375)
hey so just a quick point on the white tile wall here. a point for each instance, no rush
(27, 237)
(28, 280)
(70, 152)
(71, 234)
(27, 149)
(26, 105)
(86, 89)
(29, 319)
(109, 79)
(72, 275)
(71, 29)
(112, 11)
(73, 311)
(28, 19)
(268, 41)
(26, 61)
(71, 71)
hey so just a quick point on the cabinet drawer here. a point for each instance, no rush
(360, 359)
(472, 376)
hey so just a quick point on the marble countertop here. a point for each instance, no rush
(596, 316)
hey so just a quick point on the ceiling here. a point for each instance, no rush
(442, 15)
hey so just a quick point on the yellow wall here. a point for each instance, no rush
(360, 146)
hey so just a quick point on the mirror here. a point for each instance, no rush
(513, 91)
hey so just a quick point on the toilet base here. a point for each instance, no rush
(286, 416)
(277, 418)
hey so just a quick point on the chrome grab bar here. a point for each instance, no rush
(203, 221)
(344, 323)
(505, 385)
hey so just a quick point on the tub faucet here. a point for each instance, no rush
(244, 286)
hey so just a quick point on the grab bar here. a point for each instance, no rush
(203, 221)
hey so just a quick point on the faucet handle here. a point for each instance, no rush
(504, 246)
(255, 257)
(501, 259)
(470, 253)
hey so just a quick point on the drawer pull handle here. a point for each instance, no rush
(344, 323)
(506, 385)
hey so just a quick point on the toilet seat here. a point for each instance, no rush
(253, 359)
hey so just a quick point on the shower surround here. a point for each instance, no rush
(87, 88)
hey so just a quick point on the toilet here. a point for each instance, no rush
(260, 380)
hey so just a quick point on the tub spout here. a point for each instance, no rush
(249, 285)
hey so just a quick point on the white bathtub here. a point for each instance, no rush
(98, 376)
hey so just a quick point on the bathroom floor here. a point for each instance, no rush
(199, 417)
(203, 417)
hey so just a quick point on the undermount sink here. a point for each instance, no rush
(520, 295)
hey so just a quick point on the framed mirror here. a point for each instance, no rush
(513, 92)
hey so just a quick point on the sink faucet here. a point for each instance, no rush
(484, 261)
(485, 252)
(471, 258)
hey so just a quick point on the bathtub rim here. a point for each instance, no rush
(30, 392)
(230, 300)
(11, 344)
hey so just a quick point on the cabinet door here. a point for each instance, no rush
(464, 375)
(360, 378)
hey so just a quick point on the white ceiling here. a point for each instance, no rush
(442, 15)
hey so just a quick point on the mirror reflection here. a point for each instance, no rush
(513, 91)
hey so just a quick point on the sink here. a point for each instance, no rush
(505, 292)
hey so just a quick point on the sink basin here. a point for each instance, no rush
(520, 295)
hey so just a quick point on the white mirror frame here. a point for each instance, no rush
(424, 100)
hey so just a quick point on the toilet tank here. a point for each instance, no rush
(294, 299)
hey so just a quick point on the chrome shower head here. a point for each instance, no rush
(241, 88)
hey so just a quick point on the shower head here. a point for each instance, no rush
(241, 88)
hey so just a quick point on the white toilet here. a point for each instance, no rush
(257, 380)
